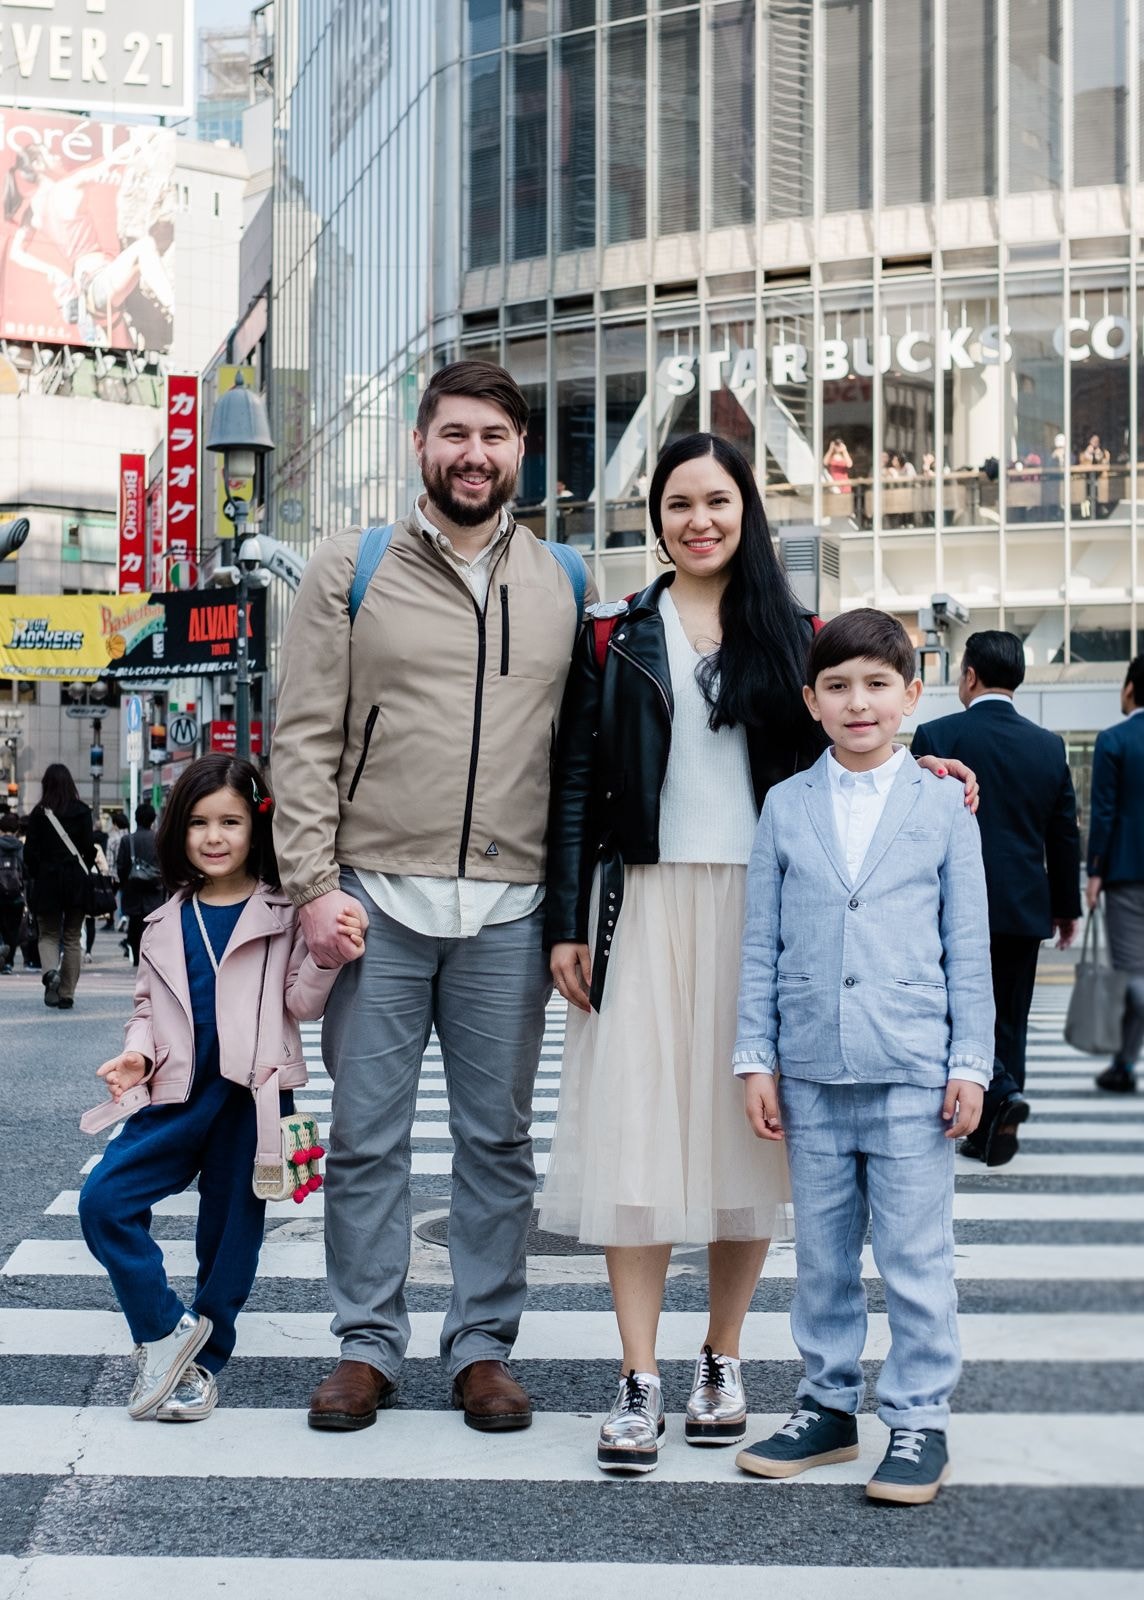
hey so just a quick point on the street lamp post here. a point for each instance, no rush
(240, 432)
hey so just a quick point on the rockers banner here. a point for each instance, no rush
(83, 637)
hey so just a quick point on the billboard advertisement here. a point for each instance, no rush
(87, 237)
(116, 57)
(86, 636)
(182, 474)
(132, 525)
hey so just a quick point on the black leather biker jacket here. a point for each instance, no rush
(611, 760)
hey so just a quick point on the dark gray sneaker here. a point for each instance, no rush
(915, 1466)
(812, 1436)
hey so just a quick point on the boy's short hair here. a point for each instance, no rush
(997, 658)
(477, 380)
(863, 635)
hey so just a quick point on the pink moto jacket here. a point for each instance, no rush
(267, 981)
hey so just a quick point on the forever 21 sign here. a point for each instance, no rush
(100, 55)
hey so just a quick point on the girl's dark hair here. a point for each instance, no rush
(755, 677)
(58, 792)
(204, 777)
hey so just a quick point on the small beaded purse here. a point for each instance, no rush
(295, 1174)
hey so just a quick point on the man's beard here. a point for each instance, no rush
(466, 513)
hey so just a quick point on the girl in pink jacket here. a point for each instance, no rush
(212, 1053)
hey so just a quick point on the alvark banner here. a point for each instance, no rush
(82, 637)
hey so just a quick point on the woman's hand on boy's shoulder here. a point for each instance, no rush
(123, 1072)
(962, 1108)
(943, 767)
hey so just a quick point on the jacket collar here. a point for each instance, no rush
(265, 914)
(646, 602)
(899, 803)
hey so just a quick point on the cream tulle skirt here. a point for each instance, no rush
(651, 1145)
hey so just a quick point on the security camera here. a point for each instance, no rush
(952, 610)
(12, 536)
(250, 557)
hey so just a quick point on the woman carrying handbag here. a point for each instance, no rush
(59, 852)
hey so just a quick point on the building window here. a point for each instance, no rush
(1099, 91)
(484, 25)
(678, 370)
(678, 109)
(527, 19)
(1100, 349)
(971, 98)
(847, 355)
(732, 101)
(1034, 95)
(908, 459)
(574, 14)
(627, 133)
(732, 377)
(575, 140)
(791, 459)
(527, 360)
(908, 114)
(790, 109)
(848, 104)
(624, 351)
(528, 152)
(575, 365)
(485, 162)
(972, 449)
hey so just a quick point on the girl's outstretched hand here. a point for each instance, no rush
(123, 1073)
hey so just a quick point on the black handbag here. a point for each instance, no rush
(104, 889)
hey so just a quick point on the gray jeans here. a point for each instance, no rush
(486, 997)
(1124, 908)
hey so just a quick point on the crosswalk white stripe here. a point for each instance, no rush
(990, 1206)
(1046, 1450)
(306, 1259)
(1012, 1337)
(94, 1577)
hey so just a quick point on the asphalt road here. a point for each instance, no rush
(1048, 1447)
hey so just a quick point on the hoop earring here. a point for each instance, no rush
(661, 554)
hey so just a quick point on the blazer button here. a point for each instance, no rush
(850, 982)
(854, 905)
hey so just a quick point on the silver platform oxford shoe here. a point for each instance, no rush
(631, 1432)
(161, 1363)
(717, 1409)
(194, 1398)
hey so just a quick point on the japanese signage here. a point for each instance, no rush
(133, 56)
(88, 231)
(182, 475)
(154, 512)
(126, 635)
(132, 526)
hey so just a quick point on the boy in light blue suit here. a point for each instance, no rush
(865, 1039)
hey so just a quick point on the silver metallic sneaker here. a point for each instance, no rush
(195, 1397)
(161, 1363)
(632, 1430)
(717, 1409)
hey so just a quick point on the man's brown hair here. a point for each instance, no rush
(863, 635)
(477, 380)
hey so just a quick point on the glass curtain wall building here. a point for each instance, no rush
(890, 248)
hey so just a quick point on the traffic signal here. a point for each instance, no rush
(158, 728)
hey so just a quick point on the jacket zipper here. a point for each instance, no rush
(474, 752)
(356, 779)
(167, 984)
(647, 672)
(504, 630)
(258, 1013)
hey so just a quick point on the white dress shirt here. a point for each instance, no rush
(859, 800)
(453, 908)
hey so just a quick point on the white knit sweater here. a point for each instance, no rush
(707, 804)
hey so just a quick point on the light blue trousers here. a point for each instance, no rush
(873, 1154)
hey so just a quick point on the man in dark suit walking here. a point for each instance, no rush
(1116, 864)
(1031, 845)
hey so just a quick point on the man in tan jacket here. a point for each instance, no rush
(411, 763)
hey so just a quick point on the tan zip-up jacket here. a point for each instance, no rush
(421, 741)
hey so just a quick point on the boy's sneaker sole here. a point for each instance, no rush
(716, 1433)
(902, 1494)
(762, 1468)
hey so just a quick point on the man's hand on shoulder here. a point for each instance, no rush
(328, 923)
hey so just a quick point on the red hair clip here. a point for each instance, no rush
(266, 805)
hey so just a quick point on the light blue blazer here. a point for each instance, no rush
(883, 980)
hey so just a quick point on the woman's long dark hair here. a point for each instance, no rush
(58, 792)
(755, 678)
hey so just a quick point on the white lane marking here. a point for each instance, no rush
(1044, 1450)
(1012, 1337)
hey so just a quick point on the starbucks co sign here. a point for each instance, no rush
(98, 55)
(1106, 339)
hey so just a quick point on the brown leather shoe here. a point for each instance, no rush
(350, 1397)
(491, 1398)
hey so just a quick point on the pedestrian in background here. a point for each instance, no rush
(1031, 844)
(12, 901)
(1116, 864)
(120, 825)
(59, 852)
(140, 880)
(228, 940)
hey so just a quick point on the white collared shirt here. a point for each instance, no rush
(453, 908)
(859, 799)
(992, 695)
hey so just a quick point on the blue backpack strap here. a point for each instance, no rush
(372, 546)
(574, 569)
